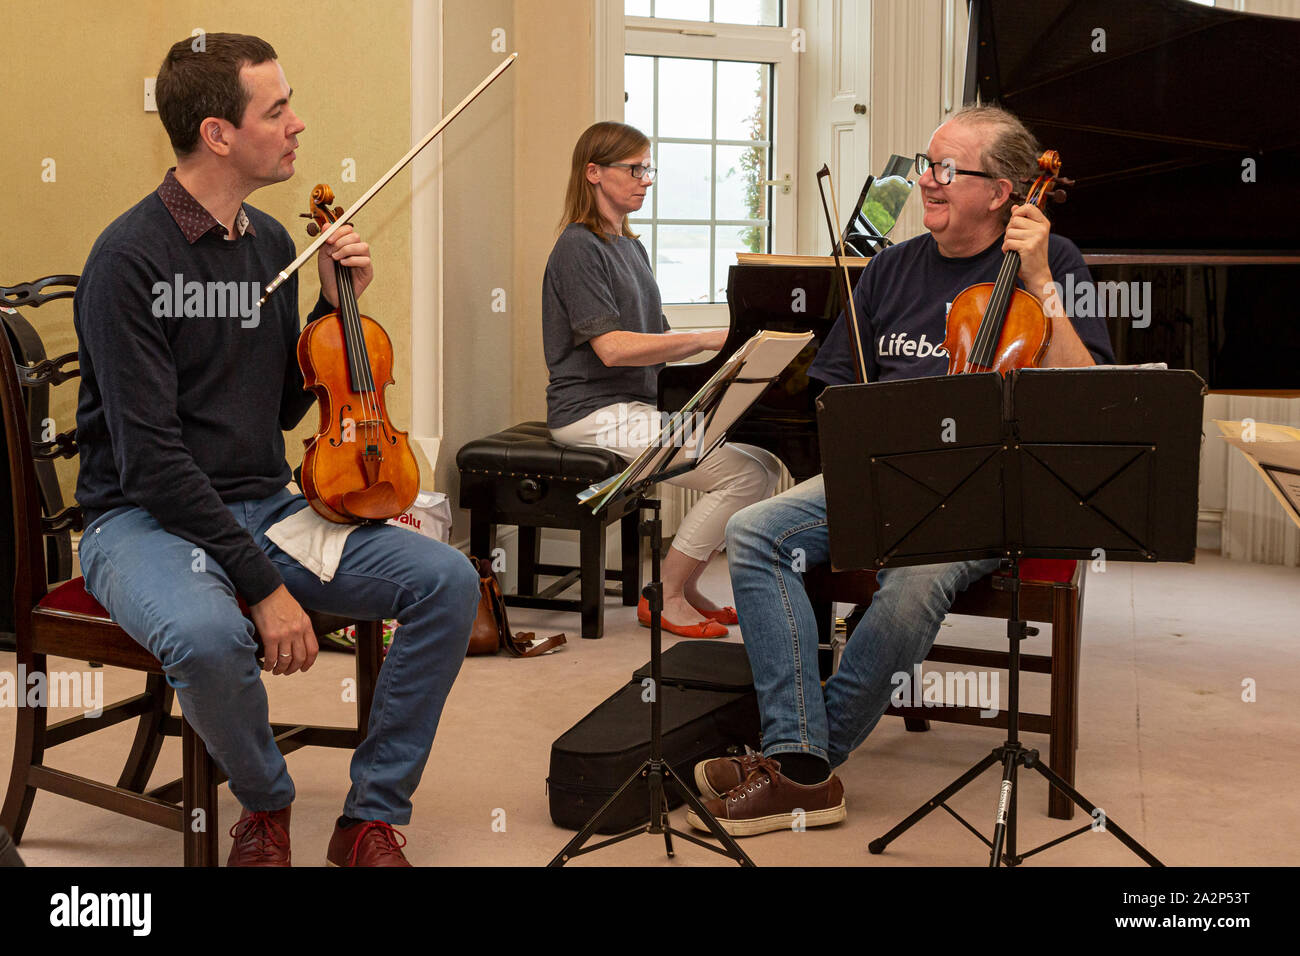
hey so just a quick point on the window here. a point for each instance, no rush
(708, 123)
(713, 83)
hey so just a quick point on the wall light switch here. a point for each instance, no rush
(150, 104)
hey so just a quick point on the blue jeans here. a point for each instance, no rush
(769, 544)
(186, 614)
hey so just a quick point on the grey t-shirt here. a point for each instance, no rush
(592, 287)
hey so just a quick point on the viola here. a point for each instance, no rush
(358, 468)
(995, 326)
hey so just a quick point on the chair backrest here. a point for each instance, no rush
(30, 525)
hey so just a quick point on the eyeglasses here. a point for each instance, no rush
(946, 170)
(638, 170)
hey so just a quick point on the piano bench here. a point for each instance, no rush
(1051, 592)
(522, 477)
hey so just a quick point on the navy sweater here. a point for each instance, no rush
(184, 390)
(902, 300)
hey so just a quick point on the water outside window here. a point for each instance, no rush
(709, 122)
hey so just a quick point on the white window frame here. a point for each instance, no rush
(427, 404)
(618, 35)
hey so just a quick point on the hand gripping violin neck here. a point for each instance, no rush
(994, 326)
(358, 468)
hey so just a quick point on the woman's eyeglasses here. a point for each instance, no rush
(638, 170)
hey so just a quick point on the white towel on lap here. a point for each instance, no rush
(312, 541)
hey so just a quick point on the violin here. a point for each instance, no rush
(358, 468)
(994, 326)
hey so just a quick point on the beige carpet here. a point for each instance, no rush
(1168, 748)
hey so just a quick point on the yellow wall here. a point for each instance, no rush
(479, 187)
(555, 103)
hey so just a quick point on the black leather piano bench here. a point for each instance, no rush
(522, 477)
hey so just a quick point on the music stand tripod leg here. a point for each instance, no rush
(1055, 780)
(656, 769)
(574, 847)
(878, 845)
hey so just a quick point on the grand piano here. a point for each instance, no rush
(1178, 125)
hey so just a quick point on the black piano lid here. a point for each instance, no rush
(1155, 130)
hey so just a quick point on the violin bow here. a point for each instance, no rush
(307, 253)
(837, 248)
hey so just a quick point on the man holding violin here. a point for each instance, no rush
(969, 174)
(184, 396)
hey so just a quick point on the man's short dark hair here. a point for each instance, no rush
(199, 77)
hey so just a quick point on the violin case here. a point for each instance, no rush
(710, 709)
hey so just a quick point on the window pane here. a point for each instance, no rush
(636, 8)
(740, 168)
(682, 9)
(685, 98)
(684, 181)
(682, 263)
(760, 13)
(730, 240)
(743, 100)
(638, 81)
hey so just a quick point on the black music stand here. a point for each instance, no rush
(690, 436)
(1044, 463)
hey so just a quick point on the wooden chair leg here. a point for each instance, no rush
(529, 555)
(198, 799)
(591, 546)
(630, 541)
(1065, 697)
(482, 534)
(29, 749)
(148, 736)
(370, 657)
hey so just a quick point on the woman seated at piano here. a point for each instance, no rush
(606, 338)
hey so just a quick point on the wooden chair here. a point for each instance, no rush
(65, 621)
(1051, 592)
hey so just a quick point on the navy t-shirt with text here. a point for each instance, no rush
(902, 300)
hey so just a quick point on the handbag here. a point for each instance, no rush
(491, 630)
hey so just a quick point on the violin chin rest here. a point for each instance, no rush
(379, 502)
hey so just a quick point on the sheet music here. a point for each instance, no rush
(1274, 452)
(704, 420)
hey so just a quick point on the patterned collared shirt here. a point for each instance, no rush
(194, 220)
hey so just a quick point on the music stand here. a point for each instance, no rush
(1044, 463)
(690, 435)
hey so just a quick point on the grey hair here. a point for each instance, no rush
(1012, 153)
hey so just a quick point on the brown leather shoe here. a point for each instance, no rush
(715, 777)
(261, 839)
(369, 843)
(767, 801)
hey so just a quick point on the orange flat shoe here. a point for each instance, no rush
(726, 615)
(702, 629)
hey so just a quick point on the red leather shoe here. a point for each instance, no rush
(726, 615)
(369, 843)
(261, 839)
(702, 629)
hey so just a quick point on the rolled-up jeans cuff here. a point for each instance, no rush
(777, 749)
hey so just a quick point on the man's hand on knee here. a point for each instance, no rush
(288, 642)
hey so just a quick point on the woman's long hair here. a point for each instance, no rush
(601, 144)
